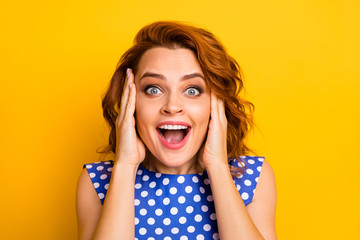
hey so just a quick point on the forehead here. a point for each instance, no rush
(165, 60)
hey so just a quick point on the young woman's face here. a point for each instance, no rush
(172, 106)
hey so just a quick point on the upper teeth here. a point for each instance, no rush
(173, 127)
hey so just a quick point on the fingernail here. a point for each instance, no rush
(128, 72)
(131, 84)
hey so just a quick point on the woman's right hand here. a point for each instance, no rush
(129, 147)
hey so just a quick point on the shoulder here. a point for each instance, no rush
(263, 207)
(266, 183)
(85, 187)
(246, 183)
(267, 174)
(93, 180)
(90, 194)
(88, 206)
(259, 175)
(266, 188)
(100, 174)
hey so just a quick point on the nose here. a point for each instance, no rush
(172, 105)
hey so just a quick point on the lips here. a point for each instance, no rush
(173, 134)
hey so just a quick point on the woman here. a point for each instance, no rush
(177, 129)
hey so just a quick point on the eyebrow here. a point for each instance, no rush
(162, 77)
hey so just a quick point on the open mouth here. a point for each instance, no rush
(173, 136)
(173, 133)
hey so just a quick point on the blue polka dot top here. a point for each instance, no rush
(176, 206)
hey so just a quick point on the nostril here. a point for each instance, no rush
(172, 110)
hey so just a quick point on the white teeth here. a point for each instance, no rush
(173, 127)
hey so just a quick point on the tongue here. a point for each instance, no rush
(174, 136)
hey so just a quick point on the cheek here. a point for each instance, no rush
(140, 108)
(140, 116)
(145, 116)
(200, 113)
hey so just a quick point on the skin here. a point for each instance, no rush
(115, 219)
(180, 94)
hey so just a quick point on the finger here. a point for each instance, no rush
(130, 106)
(125, 95)
(221, 111)
(213, 107)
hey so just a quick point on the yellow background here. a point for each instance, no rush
(300, 60)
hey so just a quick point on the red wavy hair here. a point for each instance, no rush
(222, 75)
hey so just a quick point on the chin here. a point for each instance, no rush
(181, 155)
(174, 160)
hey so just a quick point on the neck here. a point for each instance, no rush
(189, 167)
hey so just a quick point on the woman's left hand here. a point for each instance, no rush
(214, 150)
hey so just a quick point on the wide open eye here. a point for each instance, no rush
(192, 91)
(153, 90)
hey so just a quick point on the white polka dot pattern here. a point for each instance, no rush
(176, 206)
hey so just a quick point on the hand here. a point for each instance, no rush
(214, 150)
(129, 147)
